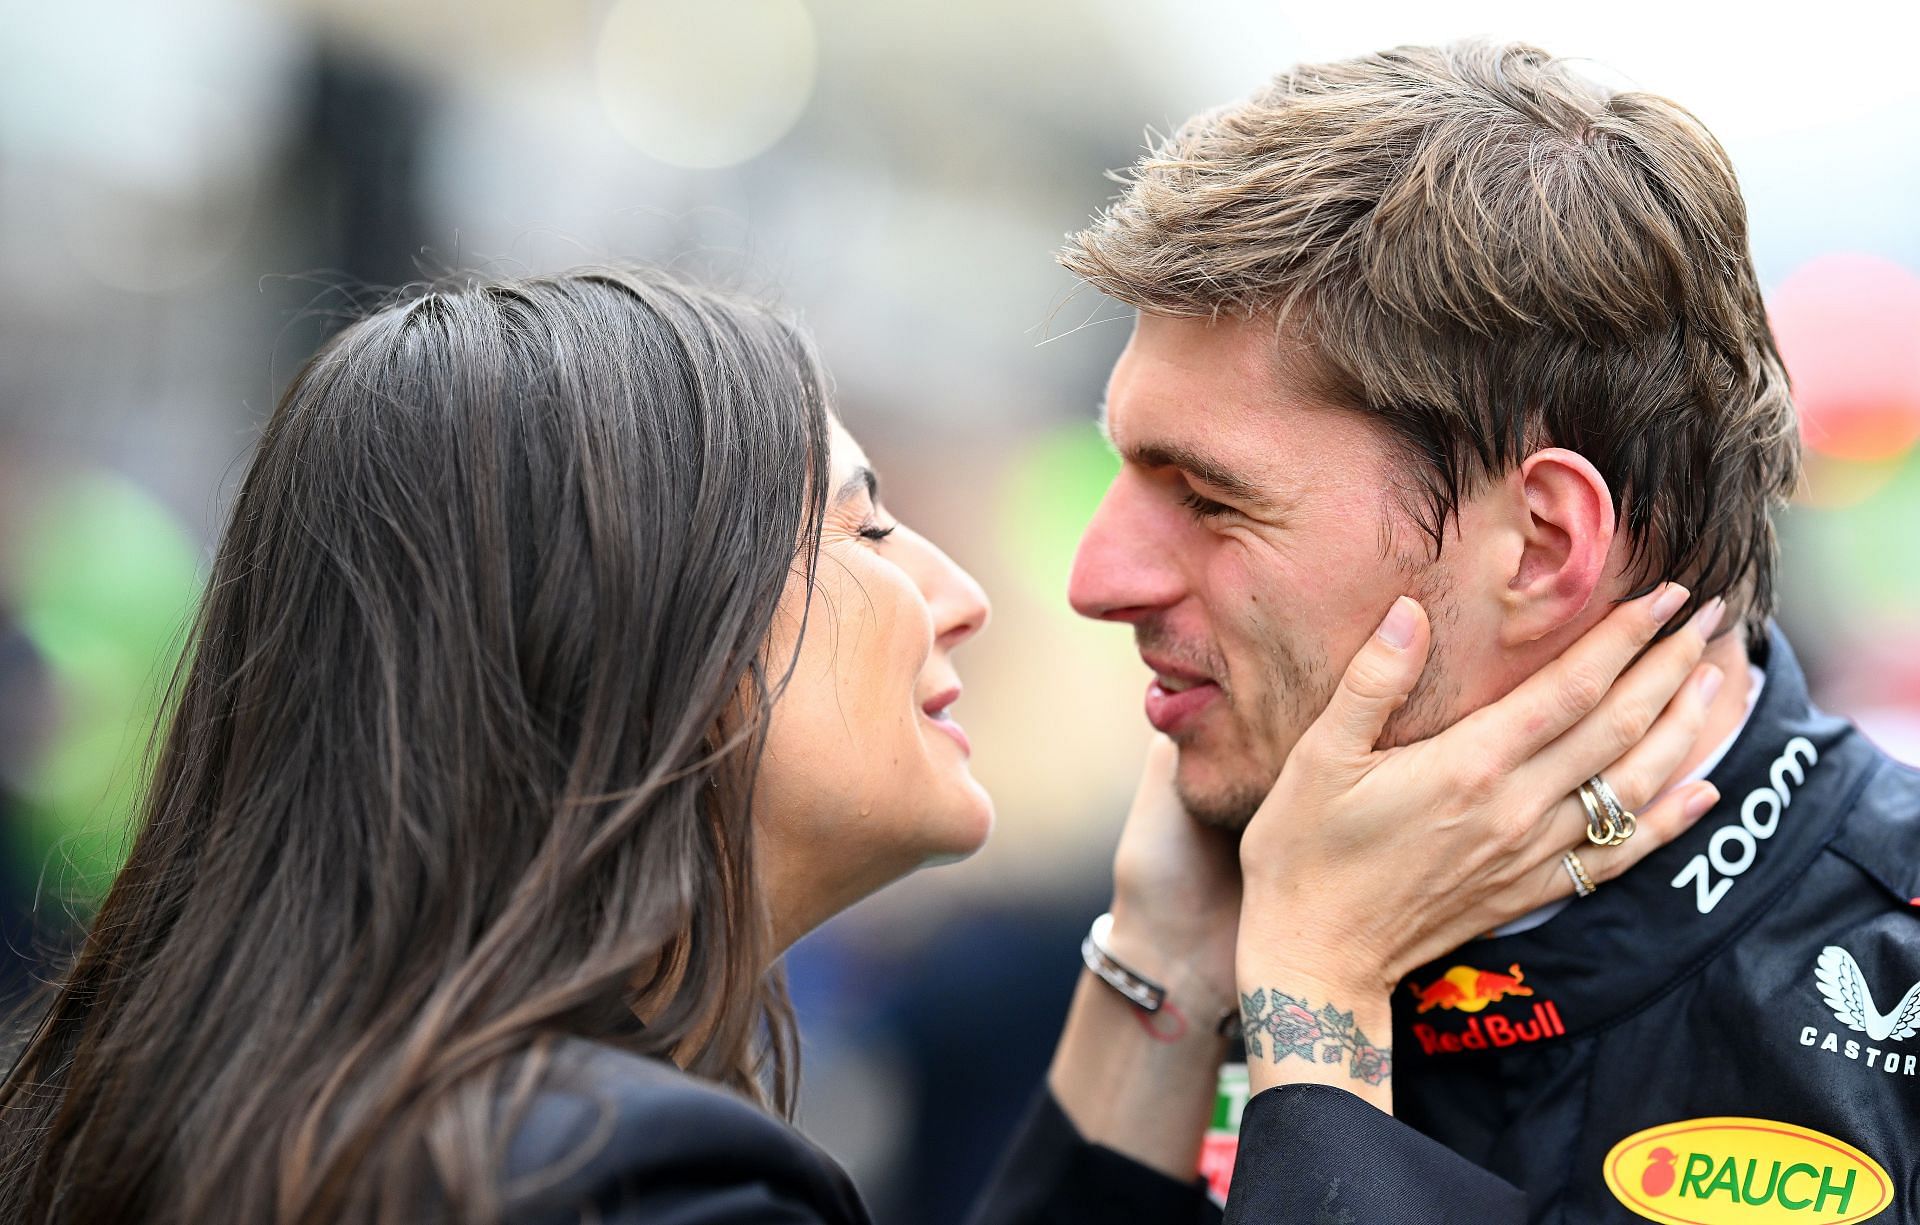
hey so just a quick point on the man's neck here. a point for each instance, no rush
(1729, 707)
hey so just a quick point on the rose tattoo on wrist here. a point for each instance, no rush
(1278, 1025)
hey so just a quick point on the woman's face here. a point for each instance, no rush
(865, 776)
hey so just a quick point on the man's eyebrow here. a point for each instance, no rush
(1205, 467)
(863, 477)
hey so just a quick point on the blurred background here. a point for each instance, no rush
(194, 193)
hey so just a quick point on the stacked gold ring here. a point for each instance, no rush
(1608, 821)
(1582, 883)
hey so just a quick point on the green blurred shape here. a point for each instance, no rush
(1875, 544)
(107, 584)
(1052, 489)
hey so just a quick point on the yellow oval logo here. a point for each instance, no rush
(1730, 1171)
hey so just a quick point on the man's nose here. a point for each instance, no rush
(1125, 569)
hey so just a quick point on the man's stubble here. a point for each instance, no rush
(1302, 681)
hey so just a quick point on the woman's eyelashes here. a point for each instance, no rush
(871, 530)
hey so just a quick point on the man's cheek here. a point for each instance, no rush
(1247, 752)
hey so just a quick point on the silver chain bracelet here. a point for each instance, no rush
(1140, 991)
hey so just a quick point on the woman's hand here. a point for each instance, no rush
(1176, 894)
(1140, 1083)
(1365, 863)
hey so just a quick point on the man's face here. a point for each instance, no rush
(1253, 539)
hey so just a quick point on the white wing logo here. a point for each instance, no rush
(1845, 990)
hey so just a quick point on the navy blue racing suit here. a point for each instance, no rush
(1729, 1031)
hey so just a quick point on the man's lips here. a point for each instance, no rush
(1176, 696)
(1170, 711)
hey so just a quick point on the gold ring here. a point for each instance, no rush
(1622, 821)
(1600, 830)
(1582, 883)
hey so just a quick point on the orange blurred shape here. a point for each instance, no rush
(1837, 484)
(1848, 327)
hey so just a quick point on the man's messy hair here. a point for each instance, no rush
(1490, 253)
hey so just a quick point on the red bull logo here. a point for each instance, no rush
(1469, 990)
(1735, 1171)
(1493, 1032)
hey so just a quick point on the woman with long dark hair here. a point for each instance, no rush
(558, 669)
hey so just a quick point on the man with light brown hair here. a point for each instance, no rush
(1462, 324)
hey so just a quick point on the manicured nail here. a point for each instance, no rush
(1710, 683)
(1668, 602)
(1708, 618)
(1700, 801)
(1397, 630)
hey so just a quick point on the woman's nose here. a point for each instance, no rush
(956, 600)
(962, 609)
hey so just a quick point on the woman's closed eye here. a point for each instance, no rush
(873, 531)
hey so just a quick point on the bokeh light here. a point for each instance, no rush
(1848, 326)
(1837, 484)
(107, 584)
(1052, 489)
(1872, 541)
(705, 85)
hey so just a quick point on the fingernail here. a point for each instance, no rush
(1700, 801)
(1397, 630)
(1710, 683)
(1668, 602)
(1708, 618)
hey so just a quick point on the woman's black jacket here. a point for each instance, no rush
(638, 1142)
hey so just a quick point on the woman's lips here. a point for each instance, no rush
(947, 725)
(1172, 710)
(934, 710)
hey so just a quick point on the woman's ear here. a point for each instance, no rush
(1566, 525)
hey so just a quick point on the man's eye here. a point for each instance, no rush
(1204, 508)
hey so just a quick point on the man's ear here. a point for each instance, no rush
(1566, 525)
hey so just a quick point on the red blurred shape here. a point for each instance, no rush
(1848, 326)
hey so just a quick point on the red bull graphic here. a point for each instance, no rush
(1469, 990)
(1493, 1032)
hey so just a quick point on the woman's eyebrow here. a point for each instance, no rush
(862, 477)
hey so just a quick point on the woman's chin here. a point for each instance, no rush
(963, 826)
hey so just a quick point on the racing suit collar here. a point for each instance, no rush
(1783, 785)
